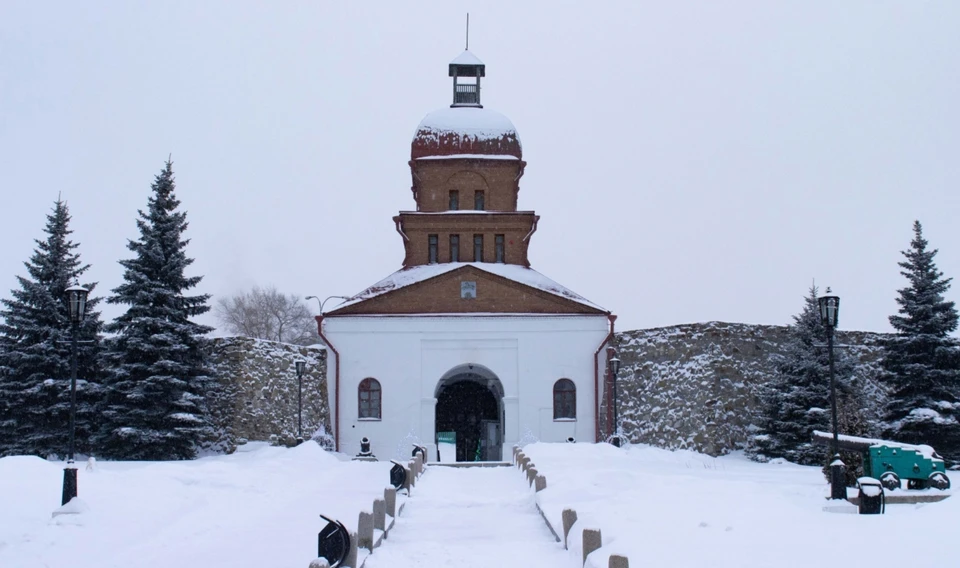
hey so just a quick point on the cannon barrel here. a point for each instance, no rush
(850, 443)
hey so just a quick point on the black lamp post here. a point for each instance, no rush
(613, 364)
(829, 312)
(77, 303)
(300, 366)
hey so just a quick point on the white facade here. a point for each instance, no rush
(521, 356)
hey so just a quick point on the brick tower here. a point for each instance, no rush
(466, 339)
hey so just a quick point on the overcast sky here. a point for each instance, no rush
(690, 161)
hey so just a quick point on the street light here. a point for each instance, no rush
(325, 301)
(829, 315)
(300, 365)
(77, 304)
(613, 364)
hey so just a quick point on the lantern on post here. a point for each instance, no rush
(830, 316)
(613, 365)
(300, 365)
(76, 297)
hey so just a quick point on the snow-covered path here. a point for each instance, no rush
(468, 517)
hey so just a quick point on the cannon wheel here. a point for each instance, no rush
(397, 475)
(333, 542)
(890, 480)
(939, 480)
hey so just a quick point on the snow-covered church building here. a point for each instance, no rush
(466, 337)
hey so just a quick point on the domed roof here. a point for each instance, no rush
(477, 132)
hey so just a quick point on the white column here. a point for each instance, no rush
(511, 422)
(428, 426)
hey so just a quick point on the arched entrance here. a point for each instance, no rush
(470, 404)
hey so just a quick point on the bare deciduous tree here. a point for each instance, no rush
(266, 313)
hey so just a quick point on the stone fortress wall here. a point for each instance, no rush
(697, 386)
(257, 394)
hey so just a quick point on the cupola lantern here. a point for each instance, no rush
(466, 71)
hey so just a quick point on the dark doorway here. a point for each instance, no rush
(468, 407)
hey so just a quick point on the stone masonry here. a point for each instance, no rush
(256, 398)
(697, 386)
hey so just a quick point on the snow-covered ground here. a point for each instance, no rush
(256, 508)
(260, 507)
(680, 508)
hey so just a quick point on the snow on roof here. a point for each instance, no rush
(415, 274)
(479, 123)
(466, 58)
(471, 157)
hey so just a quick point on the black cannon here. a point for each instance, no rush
(333, 542)
(418, 449)
(398, 474)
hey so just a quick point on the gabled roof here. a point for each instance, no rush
(415, 274)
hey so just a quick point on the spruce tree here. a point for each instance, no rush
(921, 362)
(35, 351)
(797, 400)
(155, 401)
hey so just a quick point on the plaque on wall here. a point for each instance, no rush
(468, 290)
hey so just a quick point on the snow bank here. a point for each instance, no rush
(687, 509)
(257, 507)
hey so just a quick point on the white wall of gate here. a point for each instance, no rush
(410, 355)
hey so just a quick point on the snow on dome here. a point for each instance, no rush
(465, 130)
(466, 58)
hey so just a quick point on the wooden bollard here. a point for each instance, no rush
(390, 500)
(379, 514)
(617, 561)
(365, 530)
(540, 483)
(412, 468)
(408, 480)
(531, 475)
(520, 458)
(351, 559)
(526, 463)
(419, 462)
(591, 542)
(569, 517)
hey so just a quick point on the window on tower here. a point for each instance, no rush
(478, 202)
(498, 248)
(454, 200)
(454, 248)
(432, 249)
(478, 248)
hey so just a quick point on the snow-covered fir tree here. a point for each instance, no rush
(797, 400)
(922, 362)
(154, 406)
(35, 351)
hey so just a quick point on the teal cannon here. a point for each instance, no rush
(891, 462)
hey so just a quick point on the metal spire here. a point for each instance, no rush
(468, 32)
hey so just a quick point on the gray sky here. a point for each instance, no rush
(690, 161)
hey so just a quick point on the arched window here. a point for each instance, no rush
(564, 399)
(369, 399)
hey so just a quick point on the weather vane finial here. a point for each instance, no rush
(468, 32)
